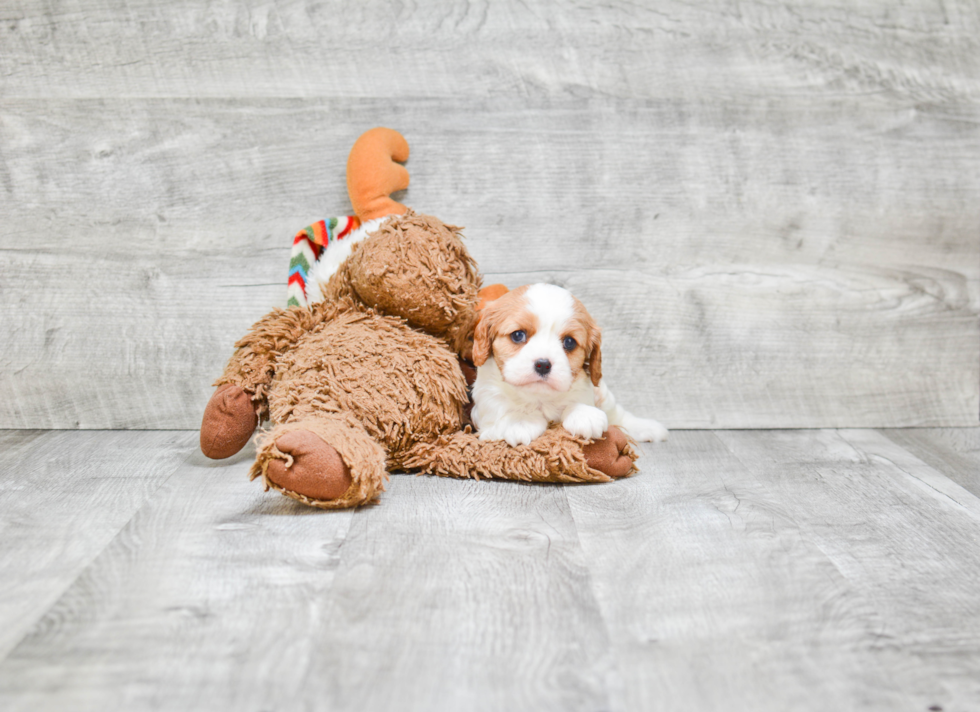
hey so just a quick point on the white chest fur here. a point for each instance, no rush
(519, 414)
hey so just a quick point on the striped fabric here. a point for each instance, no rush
(307, 246)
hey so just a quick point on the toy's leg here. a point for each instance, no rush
(327, 461)
(229, 421)
(556, 456)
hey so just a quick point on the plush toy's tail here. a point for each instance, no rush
(372, 174)
(308, 244)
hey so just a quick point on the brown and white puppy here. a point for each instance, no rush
(538, 354)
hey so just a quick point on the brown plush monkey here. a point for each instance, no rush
(368, 380)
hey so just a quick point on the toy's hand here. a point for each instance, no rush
(229, 421)
(468, 369)
(609, 454)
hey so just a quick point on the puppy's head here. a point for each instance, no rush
(541, 337)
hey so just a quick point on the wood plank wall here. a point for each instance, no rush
(773, 209)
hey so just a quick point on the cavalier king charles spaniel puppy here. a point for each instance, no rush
(539, 361)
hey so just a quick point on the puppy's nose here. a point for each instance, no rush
(542, 366)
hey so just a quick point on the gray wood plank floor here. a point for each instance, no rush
(739, 570)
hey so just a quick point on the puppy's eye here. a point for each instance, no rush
(569, 343)
(518, 337)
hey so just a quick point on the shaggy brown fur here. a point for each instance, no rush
(373, 372)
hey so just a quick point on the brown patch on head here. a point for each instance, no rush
(498, 319)
(489, 294)
(587, 333)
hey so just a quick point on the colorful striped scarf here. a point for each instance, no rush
(308, 244)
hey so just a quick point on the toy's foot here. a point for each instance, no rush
(317, 470)
(609, 454)
(229, 421)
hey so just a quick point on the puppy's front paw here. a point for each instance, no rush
(644, 430)
(585, 421)
(515, 432)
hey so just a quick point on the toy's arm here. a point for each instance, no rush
(240, 401)
(556, 456)
(253, 364)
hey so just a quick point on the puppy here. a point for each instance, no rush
(539, 361)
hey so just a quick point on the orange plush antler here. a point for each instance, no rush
(372, 174)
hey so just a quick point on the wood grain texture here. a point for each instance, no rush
(450, 595)
(449, 48)
(484, 588)
(717, 595)
(902, 535)
(786, 570)
(771, 209)
(63, 497)
(204, 600)
(953, 451)
(749, 570)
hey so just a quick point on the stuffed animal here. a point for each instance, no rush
(368, 379)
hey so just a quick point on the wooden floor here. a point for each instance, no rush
(740, 570)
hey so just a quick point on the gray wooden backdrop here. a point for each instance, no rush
(773, 209)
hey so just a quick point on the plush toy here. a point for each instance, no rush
(368, 378)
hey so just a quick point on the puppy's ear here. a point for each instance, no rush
(483, 336)
(492, 315)
(594, 357)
